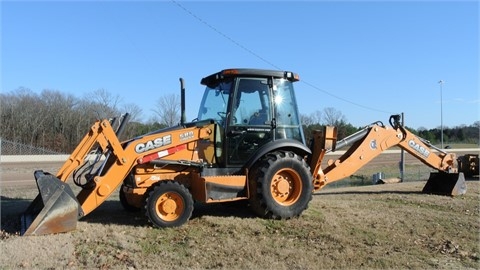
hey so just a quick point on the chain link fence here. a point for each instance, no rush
(14, 148)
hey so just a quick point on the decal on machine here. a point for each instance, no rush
(152, 144)
(187, 135)
(420, 149)
(373, 144)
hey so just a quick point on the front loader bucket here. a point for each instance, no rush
(54, 210)
(442, 183)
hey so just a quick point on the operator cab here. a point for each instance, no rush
(251, 108)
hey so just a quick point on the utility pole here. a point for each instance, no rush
(441, 111)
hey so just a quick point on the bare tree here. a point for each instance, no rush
(306, 120)
(104, 103)
(133, 125)
(168, 109)
(134, 110)
(57, 110)
(333, 117)
(314, 118)
(476, 124)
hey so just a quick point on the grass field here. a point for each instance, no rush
(390, 226)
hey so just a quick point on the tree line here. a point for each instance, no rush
(466, 134)
(58, 121)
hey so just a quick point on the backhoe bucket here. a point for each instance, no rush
(441, 183)
(54, 210)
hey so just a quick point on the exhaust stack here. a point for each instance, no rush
(183, 117)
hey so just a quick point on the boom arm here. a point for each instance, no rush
(122, 157)
(368, 144)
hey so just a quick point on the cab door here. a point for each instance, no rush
(250, 121)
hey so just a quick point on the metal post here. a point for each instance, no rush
(402, 156)
(441, 111)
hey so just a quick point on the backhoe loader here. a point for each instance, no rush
(247, 143)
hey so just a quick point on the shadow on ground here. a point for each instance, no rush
(365, 192)
(112, 212)
(11, 210)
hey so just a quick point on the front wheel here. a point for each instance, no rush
(281, 185)
(169, 204)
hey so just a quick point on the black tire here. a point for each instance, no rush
(123, 200)
(281, 186)
(169, 204)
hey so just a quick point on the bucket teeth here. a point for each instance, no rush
(54, 210)
(441, 183)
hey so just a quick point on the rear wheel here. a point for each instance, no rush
(169, 204)
(281, 185)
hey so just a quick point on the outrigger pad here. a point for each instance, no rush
(54, 210)
(441, 183)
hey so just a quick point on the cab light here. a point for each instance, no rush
(230, 72)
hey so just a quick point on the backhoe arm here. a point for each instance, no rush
(368, 144)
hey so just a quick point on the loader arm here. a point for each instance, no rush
(56, 209)
(102, 133)
(368, 144)
(122, 157)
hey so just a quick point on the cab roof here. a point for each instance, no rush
(248, 72)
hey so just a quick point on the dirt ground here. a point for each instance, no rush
(374, 227)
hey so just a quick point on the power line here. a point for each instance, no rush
(343, 99)
(224, 35)
(236, 43)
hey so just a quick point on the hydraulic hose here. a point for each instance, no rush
(395, 123)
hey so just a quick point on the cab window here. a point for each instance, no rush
(215, 102)
(251, 104)
(288, 121)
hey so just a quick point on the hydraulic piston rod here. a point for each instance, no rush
(359, 135)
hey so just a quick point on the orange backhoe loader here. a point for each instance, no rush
(246, 144)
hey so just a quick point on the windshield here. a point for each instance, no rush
(215, 101)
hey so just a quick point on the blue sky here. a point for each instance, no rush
(367, 59)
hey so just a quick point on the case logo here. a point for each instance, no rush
(420, 149)
(152, 144)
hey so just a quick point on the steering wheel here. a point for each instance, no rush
(223, 115)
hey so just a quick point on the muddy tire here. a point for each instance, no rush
(169, 204)
(123, 201)
(281, 186)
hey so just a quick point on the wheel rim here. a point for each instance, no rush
(286, 187)
(170, 206)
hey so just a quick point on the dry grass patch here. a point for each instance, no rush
(375, 227)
